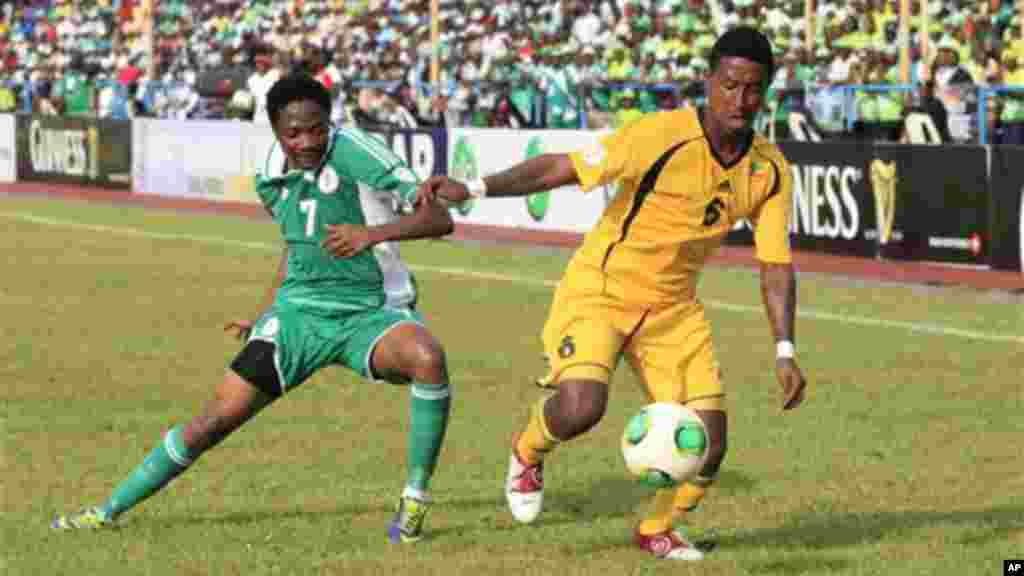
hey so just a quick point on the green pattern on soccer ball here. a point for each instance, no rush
(690, 438)
(638, 427)
(656, 479)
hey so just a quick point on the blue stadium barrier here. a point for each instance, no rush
(850, 97)
(847, 95)
(663, 88)
(983, 96)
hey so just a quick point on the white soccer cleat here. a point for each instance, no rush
(524, 489)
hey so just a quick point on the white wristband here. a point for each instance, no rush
(477, 187)
(784, 349)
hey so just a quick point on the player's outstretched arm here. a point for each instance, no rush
(778, 289)
(537, 174)
(241, 328)
(429, 220)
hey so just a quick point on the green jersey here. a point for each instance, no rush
(360, 181)
(77, 92)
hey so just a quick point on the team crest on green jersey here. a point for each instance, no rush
(329, 180)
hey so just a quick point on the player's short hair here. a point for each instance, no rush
(295, 87)
(747, 43)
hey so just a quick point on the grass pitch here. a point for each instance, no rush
(906, 458)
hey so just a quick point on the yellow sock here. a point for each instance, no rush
(689, 495)
(659, 519)
(536, 440)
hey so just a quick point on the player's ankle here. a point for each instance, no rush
(420, 494)
(525, 462)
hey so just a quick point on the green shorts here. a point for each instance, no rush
(306, 341)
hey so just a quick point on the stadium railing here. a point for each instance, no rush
(985, 94)
(833, 108)
(537, 114)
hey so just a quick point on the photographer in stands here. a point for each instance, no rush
(952, 85)
(928, 104)
(226, 74)
(263, 77)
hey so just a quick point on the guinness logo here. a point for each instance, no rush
(883, 184)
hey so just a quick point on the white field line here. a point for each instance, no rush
(804, 313)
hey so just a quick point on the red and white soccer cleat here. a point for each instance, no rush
(669, 545)
(524, 488)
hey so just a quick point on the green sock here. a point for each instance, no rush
(162, 465)
(429, 419)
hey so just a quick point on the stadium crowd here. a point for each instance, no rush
(516, 63)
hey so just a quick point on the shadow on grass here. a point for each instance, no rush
(620, 495)
(489, 508)
(820, 530)
(613, 496)
(259, 515)
(803, 565)
(810, 532)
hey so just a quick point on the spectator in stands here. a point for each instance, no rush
(438, 113)
(74, 93)
(1011, 71)
(8, 97)
(128, 71)
(319, 64)
(587, 27)
(402, 108)
(996, 130)
(43, 100)
(842, 61)
(504, 113)
(266, 72)
(368, 112)
(182, 99)
(946, 69)
(494, 41)
(1011, 117)
(988, 57)
(628, 109)
(928, 104)
(225, 74)
(786, 86)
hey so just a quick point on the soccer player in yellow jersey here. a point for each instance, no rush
(686, 176)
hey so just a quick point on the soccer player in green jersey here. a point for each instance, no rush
(341, 296)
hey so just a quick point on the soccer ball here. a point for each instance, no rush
(664, 444)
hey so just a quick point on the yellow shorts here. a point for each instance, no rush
(669, 346)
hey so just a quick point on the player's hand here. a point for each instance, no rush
(240, 329)
(346, 240)
(792, 381)
(444, 188)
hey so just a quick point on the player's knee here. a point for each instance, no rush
(581, 405)
(715, 424)
(716, 454)
(426, 362)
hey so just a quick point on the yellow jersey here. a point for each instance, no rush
(676, 203)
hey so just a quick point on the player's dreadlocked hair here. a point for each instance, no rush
(294, 87)
(747, 43)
